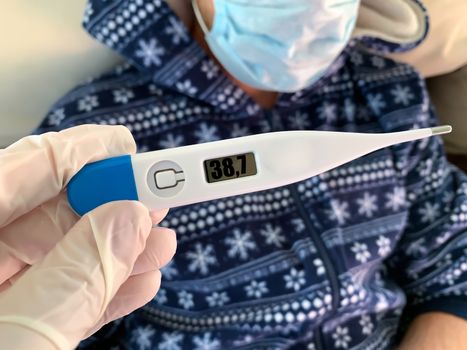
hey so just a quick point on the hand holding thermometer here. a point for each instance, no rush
(191, 174)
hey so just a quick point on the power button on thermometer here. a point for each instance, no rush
(166, 178)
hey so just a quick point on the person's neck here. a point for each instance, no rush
(266, 99)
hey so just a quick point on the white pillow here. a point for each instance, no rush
(397, 21)
(445, 48)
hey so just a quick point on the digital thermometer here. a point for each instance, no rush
(191, 174)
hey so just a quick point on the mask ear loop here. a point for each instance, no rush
(199, 17)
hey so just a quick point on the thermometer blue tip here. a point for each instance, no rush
(102, 182)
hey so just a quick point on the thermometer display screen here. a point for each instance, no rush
(231, 167)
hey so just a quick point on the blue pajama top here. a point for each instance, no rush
(343, 260)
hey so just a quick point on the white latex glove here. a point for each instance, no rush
(85, 272)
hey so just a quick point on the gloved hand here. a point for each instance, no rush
(62, 277)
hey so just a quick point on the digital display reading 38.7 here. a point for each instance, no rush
(228, 168)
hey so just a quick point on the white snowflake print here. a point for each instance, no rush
(161, 297)
(177, 30)
(366, 324)
(448, 278)
(56, 117)
(295, 279)
(141, 336)
(417, 247)
(171, 141)
(207, 342)
(349, 109)
(217, 299)
(240, 244)
(187, 87)
(425, 168)
(171, 341)
(402, 95)
(367, 204)
(328, 112)
(256, 289)
(341, 337)
(206, 133)
(88, 103)
(299, 121)
(356, 58)
(210, 68)
(311, 346)
(185, 299)
(384, 246)
(297, 96)
(429, 212)
(320, 269)
(299, 224)
(396, 199)
(273, 235)
(150, 52)
(88, 12)
(169, 271)
(251, 110)
(376, 103)
(264, 125)
(378, 62)
(238, 131)
(123, 95)
(339, 211)
(361, 252)
(201, 258)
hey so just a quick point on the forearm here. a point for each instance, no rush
(436, 331)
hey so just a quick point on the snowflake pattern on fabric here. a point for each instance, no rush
(273, 235)
(402, 95)
(217, 299)
(262, 270)
(239, 244)
(123, 95)
(150, 52)
(88, 103)
(205, 342)
(185, 299)
(341, 338)
(367, 204)
(56, 116)
(396, 199)
(256, 289)
(170, 341)
(295, 279)
(201, 258)
(339, 211)
(141, 336)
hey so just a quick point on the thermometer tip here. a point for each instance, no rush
(443, 129)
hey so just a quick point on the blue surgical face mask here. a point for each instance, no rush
(279, 45)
